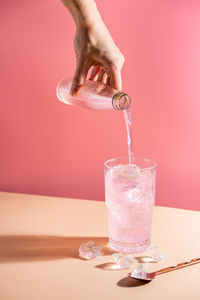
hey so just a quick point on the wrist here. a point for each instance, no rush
(84, 13)
(88, 16)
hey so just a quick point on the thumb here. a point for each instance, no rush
(79, 77)
(115, 80)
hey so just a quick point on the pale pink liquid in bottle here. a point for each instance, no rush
(93, 95)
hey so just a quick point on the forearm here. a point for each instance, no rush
(94, 47)
(84, 12)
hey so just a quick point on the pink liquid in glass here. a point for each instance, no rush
(130, 195)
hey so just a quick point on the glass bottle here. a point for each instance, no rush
(93, 95)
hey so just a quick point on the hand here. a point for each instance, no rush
(94, 47)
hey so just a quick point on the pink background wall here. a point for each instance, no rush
(49, 148)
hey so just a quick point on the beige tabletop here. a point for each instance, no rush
(39, 241)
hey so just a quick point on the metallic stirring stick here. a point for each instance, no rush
(150, 276)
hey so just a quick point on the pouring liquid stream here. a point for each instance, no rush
(127, 117)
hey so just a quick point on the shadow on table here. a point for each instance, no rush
(15, 248)
(130, 282)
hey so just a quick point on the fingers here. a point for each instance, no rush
(108, 81)
(114, 77)
(98, 74)
(109, 74)
(102, 76)
(79, 77)
(94, 72)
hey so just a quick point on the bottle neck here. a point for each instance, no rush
(121, 101)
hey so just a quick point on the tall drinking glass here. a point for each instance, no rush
(130, 197)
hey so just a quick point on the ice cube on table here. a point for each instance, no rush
(154, 253)
(123, 261)
(90, 250)
(140, 272)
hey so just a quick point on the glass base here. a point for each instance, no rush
(129, 247)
